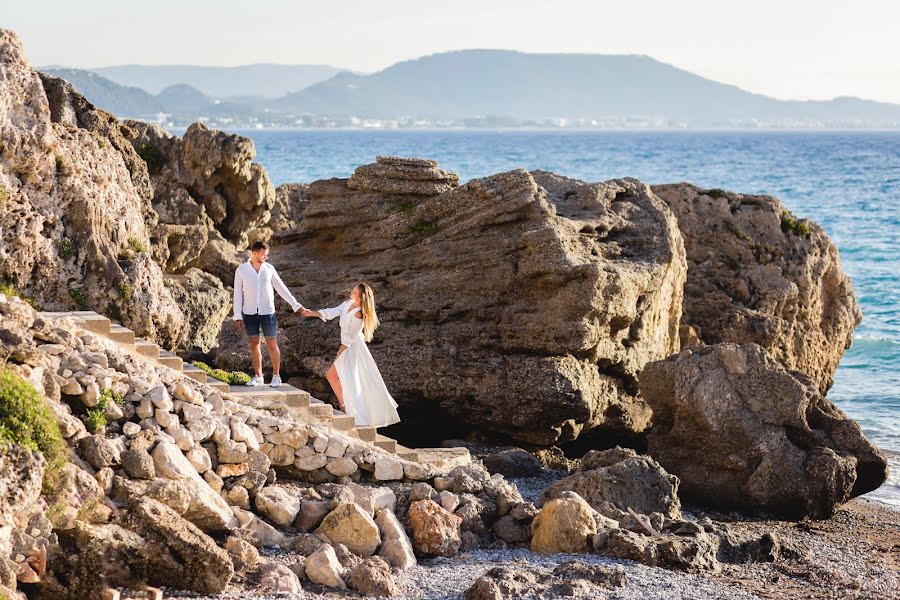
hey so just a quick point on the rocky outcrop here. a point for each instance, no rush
(570, 579)
(741, 431)
(75, 207)
(208, 193)
(756, 274)
(396, 175)
(520, 303)
(623, 479)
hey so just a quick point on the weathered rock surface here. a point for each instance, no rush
(573, 578)
(209, 195)
(373, 577)
(435, 531)
(397, 175)
(563, 525)
(625, 480)
(520, 303)
(350, 525)
(740, 431)
(757, 275)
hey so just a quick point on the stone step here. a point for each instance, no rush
(296, 399)
(407, 453)
(195, 373)
(385, 443)
(120, 334)
(145, 348)
(320, 409)
(366, 433)
(170, 360)
(93, 321)
(342, 422)
(220, 386)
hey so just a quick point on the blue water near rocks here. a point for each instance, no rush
(849, 182)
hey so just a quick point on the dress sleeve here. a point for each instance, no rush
(327, 314)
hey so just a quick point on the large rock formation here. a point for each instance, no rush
(75, 206)
(209, 195)
(740, 431)
(522, 303)
(758, 275)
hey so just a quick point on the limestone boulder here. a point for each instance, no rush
(205, 304)
(757, 274)
(352, 526)
(742, 432)
(563, 525)
(436, 532)
(623, 479)
(324, 568)
(396, 547)
(553, 295)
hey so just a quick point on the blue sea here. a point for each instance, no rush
(848, 182)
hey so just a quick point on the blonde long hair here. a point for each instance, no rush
(367, 304)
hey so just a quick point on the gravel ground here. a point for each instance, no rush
(855, 554)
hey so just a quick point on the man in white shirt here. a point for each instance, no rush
(255, 282)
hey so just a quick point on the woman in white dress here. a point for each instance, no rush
(354, 377)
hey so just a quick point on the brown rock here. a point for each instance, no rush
(597, 271)
(350, 525)
(563, 525)
(435, 531)
(740, 431)
(758, 275)
(373, 577)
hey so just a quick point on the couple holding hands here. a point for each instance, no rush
(354, 377)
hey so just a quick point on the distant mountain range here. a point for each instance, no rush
(261, 81)
(466, 88)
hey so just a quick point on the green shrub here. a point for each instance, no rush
(716, 193)
(136, 245)
(795, 226)
(94, 419)
(232, 378)
(66, 249)
(238, 378)
(78, 298)
(422, 227)
(108, 395)
(126, 291)
(153, 157)
(404, 208)
(10, 290)
(26, 420)
(60, 164)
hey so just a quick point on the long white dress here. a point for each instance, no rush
(365, 395)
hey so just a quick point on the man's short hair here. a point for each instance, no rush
(259, 245)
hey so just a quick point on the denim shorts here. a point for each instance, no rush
(252, 324)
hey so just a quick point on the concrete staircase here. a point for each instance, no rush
(297, 403)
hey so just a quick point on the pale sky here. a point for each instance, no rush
(799, 49)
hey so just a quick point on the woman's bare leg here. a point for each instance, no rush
(335, 381)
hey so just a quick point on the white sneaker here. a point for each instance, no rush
(276, 381)
(255, 381)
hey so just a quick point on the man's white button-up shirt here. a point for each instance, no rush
(254, 293)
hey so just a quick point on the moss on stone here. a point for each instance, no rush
(9, 289)
(26, 420)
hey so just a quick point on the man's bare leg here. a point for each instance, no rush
(274, 355)
(256, 355)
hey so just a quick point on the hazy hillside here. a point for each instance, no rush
(118, 99)
(266, 81)
(472, 83)
(494, 88)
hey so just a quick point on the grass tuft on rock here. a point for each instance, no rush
(78, 298)
(422, 227)
(9, 289)
(232, 378)
(794, 225)
(136, 245)
(716, 193)
(404, 208)
(66, 249)
(730, 226)
(26, 420)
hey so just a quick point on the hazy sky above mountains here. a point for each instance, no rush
(799, 49)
